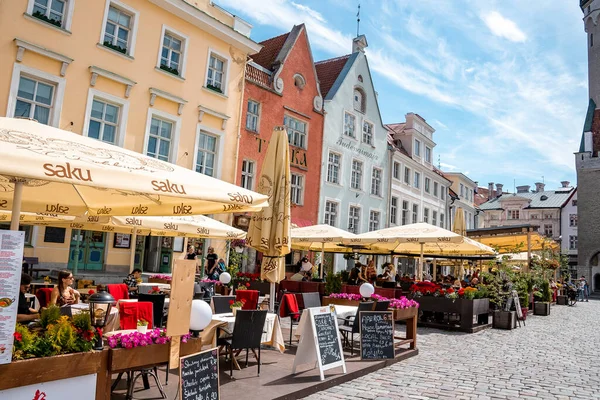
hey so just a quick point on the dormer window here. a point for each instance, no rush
(299, 81)
(359, 100)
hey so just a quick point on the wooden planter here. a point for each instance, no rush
(505, 320)
(455, 314)
(562, 300)
(341, 302)
(46, 369)
(157, 280)
(405, 313)
(541, 308)
(146, 356)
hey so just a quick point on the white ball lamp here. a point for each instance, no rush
(200, 316)
(366, 290)
(225, 278)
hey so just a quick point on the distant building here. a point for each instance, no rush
(463, 196)
(587, 161)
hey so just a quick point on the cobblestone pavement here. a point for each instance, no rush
(553, 357)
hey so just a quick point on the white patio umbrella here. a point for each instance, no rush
(24, 217)
(49, 170)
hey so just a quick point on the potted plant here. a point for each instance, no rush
(238, 245)
(142, 325)
(236, 305)
(543, 299)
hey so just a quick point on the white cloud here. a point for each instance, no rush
(439, 124)
(503, 27)
(448, 167)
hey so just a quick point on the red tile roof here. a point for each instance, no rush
(328, 71)
(270, 50)
(392, 143)
(258, 76)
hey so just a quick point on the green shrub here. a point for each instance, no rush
(333, 283)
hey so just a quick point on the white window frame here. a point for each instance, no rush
(414, 213)
(371, 211)
(510, 214)
(573, 220)
(344, 125)
(337, 215)
(185, 39)
(436, 187)
(379, 190)
(408, 213)
(428, 150)
(58, 82)
(68, 15)
(220, 147)
(248, 113)
(426, 215)
(394, 210)
(434, 215)
(108, 98)
(339, 168)
(397, 176)
(299, 187)
(546, 230)
(442, 192)
(175, 136)
(358, 225)
(442, 222)
(417, 180)
(248, 175)
(135, 16)
(407, 174)
(417, 151)
(372, 137)
(362, 174)
(227, 61)
(427, 185)
(306, 128)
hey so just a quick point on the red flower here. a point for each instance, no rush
(248, 284)
(231, 302)
(99, 330)
(442, 292)
(450, 291)
(18, 336)
(91, 292)
(461, 291)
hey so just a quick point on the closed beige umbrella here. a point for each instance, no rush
(459, 226)
(269, 230)
(49, 170)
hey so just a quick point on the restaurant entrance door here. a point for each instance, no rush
(158, 254)
(91, 250)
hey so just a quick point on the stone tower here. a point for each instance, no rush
(587, 161)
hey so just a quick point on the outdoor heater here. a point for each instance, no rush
(100, 305)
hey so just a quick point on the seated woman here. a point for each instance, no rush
(63, 294)
(388, 272)
(371, 271)
(353, 277)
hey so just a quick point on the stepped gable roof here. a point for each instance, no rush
(329, 71)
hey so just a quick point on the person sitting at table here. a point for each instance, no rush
(63, 294)
(24, 312)
(362, 275)
(306, 267)
(389, 274)
(371, 271)
(132, 281)
(353, 277)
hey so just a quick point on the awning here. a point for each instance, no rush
(300, 223)
(517, 243)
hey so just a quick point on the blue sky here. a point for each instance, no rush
(504, 83)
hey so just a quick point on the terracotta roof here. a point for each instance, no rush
(328, 71)
(258, 76)
(396, 128)
(392, 143)
(270, 50)
(452, 193)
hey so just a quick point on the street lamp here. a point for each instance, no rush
(100, 305)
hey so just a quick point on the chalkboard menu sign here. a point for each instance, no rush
(515, 297)
(376, 335)
(54, 235)
(199, 379)
(327, 338)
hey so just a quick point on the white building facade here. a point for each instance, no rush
(568, 228)
(463, 195)
(354, 184)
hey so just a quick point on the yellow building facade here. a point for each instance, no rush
(161, 77)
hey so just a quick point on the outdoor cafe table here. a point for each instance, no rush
(342, 312)
(272, 335)
(147, 287)
(261, 299)
(112, 323)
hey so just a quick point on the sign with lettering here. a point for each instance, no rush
(347, 144)
(199, 377)
(376, 335)
(320, 344)
(298, 156)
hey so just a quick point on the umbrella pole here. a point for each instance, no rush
(434, 269)
(421, 264)
(322, 259)
(133, 248)
(272, 297)
(76, 252)
(16, 208)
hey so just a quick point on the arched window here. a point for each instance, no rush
(359, 100)
(299, 81)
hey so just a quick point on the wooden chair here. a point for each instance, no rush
(247, 334)
(351, 325)
(221, 304)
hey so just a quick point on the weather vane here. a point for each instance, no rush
(358, 21)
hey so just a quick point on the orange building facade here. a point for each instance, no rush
(281, 88)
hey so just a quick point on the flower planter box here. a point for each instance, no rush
(561, 300)
(405, 313)
(505, 320)
(46, 369)
(541, 308)
(146, 356)
(341, 302)
(158, 280)
(456, 314)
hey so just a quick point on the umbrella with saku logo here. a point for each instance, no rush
(269, 230)
(49, 170)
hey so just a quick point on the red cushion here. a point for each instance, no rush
(288, 306)
(119, 291)
(130, 313)
(251, 297)
(44, 295)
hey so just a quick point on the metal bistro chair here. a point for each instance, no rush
(221, 304)
(311, 299)
(288, 302)
(382, 305)
(247, 334)
(158, 307)
(352, 324)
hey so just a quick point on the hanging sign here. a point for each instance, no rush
(199, 378)
(320, 341)
(376, 335)
(11, 264)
